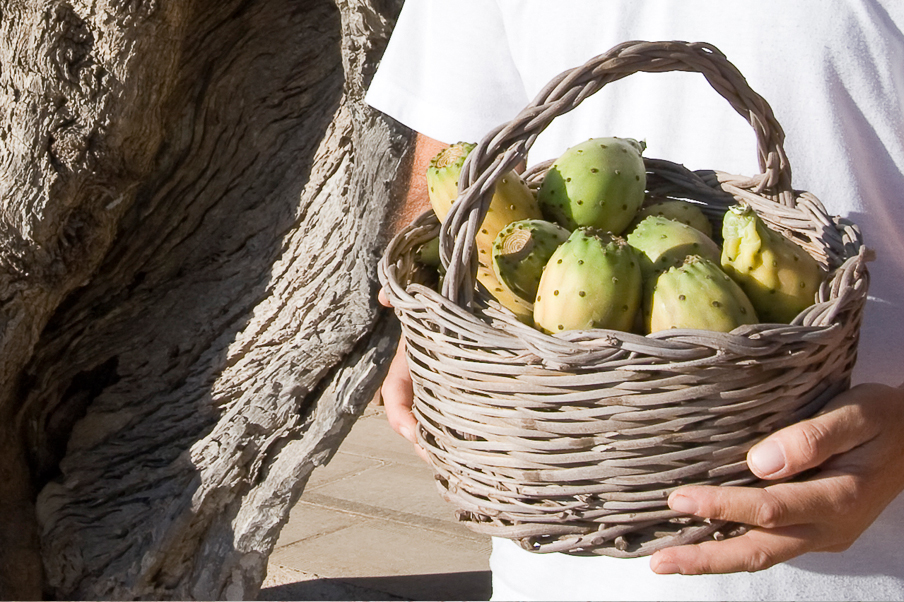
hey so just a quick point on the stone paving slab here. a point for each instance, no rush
(371, 525)
(371, 437)
(343, 466)
(309, 521)
(394, 487)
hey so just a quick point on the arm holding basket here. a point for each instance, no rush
(855, 445)
(397, 391)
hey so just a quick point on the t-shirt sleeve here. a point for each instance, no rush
(447, 71)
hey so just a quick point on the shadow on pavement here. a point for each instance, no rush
(473, 585)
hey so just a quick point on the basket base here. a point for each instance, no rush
(618, 541)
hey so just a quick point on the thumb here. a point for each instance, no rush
(383, 298)
(807, 444)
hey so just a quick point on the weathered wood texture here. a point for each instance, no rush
(193, 204)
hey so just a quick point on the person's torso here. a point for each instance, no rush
(833, 71)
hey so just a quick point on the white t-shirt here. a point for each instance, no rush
(833, 72)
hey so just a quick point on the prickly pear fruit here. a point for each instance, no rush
(428, 253)
(780, 277)
(697, 294)
(512, 199)
(599, 183)
(442, 176)
(680, 211)
(521, 251)
(591, 281)
(427, 268)
(664, 243)
(522, 309)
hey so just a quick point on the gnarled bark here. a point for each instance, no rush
(193, 198)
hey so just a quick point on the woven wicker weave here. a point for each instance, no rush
(573, 442)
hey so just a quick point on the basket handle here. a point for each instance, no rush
(507, 145)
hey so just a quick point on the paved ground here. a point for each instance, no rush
(372, 526)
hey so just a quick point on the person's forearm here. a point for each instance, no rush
(396, 393)
(414, 200)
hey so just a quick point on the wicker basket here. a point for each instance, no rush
(573, 442)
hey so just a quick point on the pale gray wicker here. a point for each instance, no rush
(573, 442)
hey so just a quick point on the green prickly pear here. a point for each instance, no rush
(664, 243)
(591, 281)
(599, 183)
(428, 253)
(697, 294)
(521, 251)
(780, 277)
(512, 199)
(680, 211)
(427, 268)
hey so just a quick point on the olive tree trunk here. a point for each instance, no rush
(193, 199)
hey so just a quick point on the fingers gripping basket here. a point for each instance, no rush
(572, 442)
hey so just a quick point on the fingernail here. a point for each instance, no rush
(408, 434)
(680, 503)
(666, 568)
(767, 458)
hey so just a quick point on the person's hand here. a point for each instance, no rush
(398, 394)
(857, 443)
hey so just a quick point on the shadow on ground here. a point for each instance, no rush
(473, 585)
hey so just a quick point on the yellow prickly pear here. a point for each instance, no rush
(780, 277)
(512, 199)
(697, 294)
(442, 176)
(591, 281)
(522, 309)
